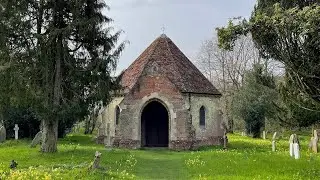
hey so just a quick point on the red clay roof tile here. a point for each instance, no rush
(171, 62)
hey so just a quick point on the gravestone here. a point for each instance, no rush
(294, 146)
(36, 140)
(96, 161)
(16, 132)
(313, 145)
(242, 134)
(274, 141)
(291, 145)
(3, 135)
(264, 134)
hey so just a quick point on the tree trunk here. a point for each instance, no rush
(49, 136)
(87, 125)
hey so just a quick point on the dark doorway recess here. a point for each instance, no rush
(154, 125)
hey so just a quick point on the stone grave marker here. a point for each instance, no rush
(16, 132)
(313, 145)
(3, 135)
(37, 139)
(274, 141)
(242, 134)
(96, 161)
(264, 134)
(294, 146)
(291, 145)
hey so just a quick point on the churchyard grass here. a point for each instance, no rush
(246, 158)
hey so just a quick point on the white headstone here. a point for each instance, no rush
(274, 136)
(296, 150)
(273, 146)
(291, 145)
(2, 134)
(264, 134)
(294, 146)
(242, 133)
(16, 131)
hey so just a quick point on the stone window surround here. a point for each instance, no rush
(202, 109)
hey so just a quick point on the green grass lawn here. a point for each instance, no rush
(246, 158)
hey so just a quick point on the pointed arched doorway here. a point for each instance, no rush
(154, 125)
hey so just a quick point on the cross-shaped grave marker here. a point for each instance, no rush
(16, 131)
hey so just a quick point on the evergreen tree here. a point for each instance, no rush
(65, 52)
(253, 102)
(287, 31)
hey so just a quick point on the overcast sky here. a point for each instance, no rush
(187, 22)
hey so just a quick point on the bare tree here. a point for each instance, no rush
(226, 69)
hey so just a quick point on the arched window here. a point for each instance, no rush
(202, 116)
(117, 114)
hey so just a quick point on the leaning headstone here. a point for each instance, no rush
(274, 141)
(36, 140)
(16, 132)
(3, 135)
(96, 161)
(264, 134)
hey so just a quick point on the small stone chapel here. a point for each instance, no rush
(165, 102)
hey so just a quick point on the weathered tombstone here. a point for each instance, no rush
(296, 147)
(36, 140)
(291, 145)
(274, 141)
(96, 161)
(315, 142)
(16, 132)
(264, 134)
(3, 135)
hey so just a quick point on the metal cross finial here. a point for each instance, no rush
(163, 29)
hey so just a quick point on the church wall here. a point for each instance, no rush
(211, 133)
(148, 88)
(108, 116)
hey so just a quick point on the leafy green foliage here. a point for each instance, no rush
(287, 32)
(63, 52)
(253, 102)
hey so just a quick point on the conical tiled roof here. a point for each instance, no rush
(173, 64)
